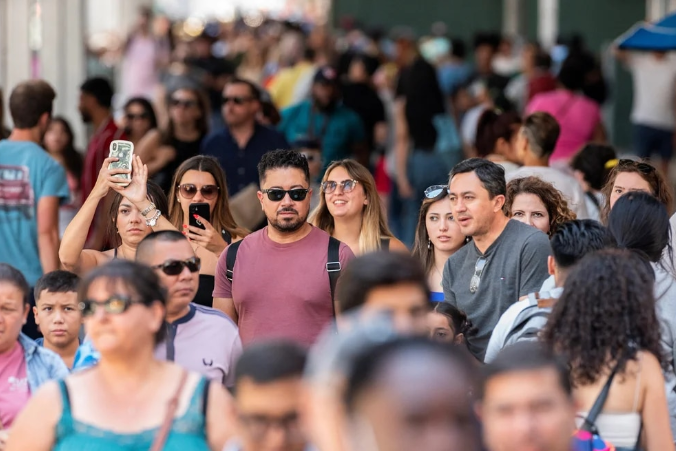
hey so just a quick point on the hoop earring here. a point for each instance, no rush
(429, 244)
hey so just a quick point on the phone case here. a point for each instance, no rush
(124, 150)
(201, 209)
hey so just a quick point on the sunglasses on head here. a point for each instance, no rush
(132, 117)
(237, 100)
(645, 168)
(188, 190)
(435, 190)
(183, 103)
(277, 194)
(347, 186)
(175, 267)
(114, 305)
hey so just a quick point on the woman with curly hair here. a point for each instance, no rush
(533, 201)
(605, 324)
(630, 175)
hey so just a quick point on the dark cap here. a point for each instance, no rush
(326, 75)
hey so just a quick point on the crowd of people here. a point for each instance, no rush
(334, 247)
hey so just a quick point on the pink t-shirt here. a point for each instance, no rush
(578, 117)
(280, 290)
(14, 391)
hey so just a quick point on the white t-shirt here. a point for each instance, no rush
(563, 182)
(654, 89)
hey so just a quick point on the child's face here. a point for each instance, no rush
(58, 317)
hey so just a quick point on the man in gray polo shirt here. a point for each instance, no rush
(505, 260)
(200, 339)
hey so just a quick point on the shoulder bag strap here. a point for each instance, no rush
(589, 422)
(163, 433)
(385, 244)
(230, 258)
(333, 268)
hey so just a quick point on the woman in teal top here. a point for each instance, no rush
(120, 404)
(437, 237)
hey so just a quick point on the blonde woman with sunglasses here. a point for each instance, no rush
(350, 210)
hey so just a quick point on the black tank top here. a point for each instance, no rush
(205, 291)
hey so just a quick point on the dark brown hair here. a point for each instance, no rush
(29, 101)
(221, 217)
(555, 203)
(492, 126)
(201, 124)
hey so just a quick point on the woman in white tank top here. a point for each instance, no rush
(607, 315)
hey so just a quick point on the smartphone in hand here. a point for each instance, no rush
(124, 151)
(200, 209)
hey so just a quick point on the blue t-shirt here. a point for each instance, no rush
(27, 174)
(337, 132)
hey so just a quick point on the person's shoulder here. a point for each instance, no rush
(270, 133)
(298, 107)
(460, 255)
(524, 232)
(214, 317)
(216, 136)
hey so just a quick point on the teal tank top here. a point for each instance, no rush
(187, 432)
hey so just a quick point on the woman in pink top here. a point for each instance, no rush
(578, 116)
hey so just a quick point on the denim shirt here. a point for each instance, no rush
(42, 365)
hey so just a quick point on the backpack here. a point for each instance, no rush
(533, 318)
(333, 266)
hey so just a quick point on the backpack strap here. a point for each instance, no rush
(589, 424)
(230, 258)
(385, 244)
(523, 319)
(333, 267)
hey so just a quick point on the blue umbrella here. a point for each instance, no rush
(650, 37)
(667, 22)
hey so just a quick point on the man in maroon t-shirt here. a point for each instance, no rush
(96, 97)
(280, 287)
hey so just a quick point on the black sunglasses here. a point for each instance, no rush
(435, 190)
(277, 194)
(132, 117)
(116, 304)
(237, 100)
(183, 103)
(189, 190)
(175, 267)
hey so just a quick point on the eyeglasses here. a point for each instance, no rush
(276, 194)
(115, 305)
(347, 185)
(175, 267)
(183, 103)
(645, 168)
(131, 117)
(189, 190)
(435, 190)
(237, 100)
(478, 271)
(260, 425)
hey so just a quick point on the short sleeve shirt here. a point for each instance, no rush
(14, 390)
(280, 290)
(27, 174)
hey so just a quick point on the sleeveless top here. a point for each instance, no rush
(187, 431)
(205, 290)
(620, 429)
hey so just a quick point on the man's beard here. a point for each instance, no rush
(288, 225)
(328, 107)
(86, 117)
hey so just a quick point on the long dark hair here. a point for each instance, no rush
(640, 222)
(201, 124)
(147, 108)
(606, 315)
(72, 159)
(492, 126)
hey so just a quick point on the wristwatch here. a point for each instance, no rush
(153, 221)
(148, 209)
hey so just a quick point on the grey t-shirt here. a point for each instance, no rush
(516, 265)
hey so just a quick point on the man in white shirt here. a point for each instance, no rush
(652, 114)
(535, 144)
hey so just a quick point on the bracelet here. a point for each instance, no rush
(148, 209)
(153, 221)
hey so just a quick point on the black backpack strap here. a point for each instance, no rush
(384, 244)
(333, 267)
(589, 424)
(230, 257)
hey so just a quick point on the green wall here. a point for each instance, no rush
(600, 22)
(463, 17)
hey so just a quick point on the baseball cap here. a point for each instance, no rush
(326, 75)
